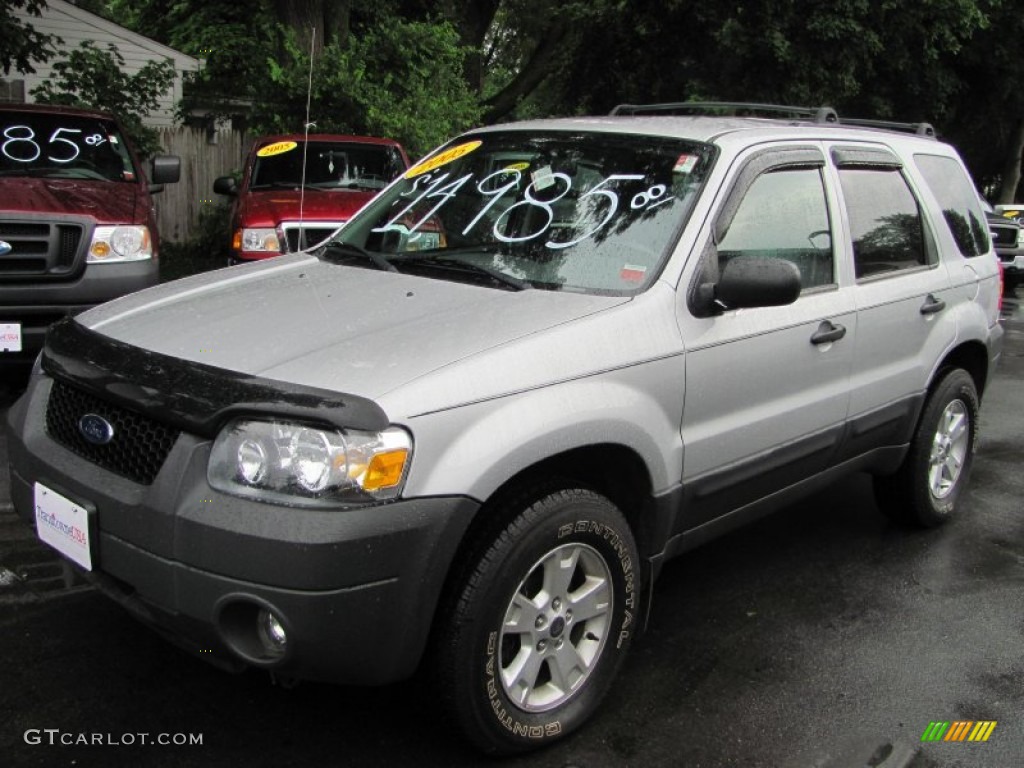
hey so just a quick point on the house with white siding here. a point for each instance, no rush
(73, 25)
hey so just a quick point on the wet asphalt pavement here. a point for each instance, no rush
(821, 636)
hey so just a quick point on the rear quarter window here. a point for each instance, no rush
(959, 201)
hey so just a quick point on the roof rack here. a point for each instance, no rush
(921, 129)
(746, 109)
(730, 108)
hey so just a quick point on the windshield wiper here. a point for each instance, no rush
(444, 260)
(343, 249)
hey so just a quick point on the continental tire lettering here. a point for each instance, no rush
(507, 721)
(610, 535)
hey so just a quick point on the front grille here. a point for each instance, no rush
(67, 247)
(23, 229)
(314, 234)
(41, 250)
(139, 446)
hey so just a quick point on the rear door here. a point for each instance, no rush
(902, 292)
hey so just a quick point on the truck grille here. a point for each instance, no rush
(40, 250)
(139, 446)
(314, 234)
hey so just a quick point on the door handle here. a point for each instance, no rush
(828, 332)
(932, 305)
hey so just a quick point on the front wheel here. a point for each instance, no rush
(927, 487)
(541, 624)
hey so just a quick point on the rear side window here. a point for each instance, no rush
(959, 200)
(885, 221)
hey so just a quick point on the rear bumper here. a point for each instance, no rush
(355, 589)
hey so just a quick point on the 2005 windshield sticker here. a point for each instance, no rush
(442, 159)
(597, 206)
(21, 144)
(277, 148)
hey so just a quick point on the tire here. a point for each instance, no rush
(926, 489)
(540, 621)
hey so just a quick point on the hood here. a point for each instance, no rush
(109, 202)
(267, 208)
(346, 329)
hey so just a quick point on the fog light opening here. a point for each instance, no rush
(271, 633)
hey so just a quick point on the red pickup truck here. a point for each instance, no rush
(296, 190)
(77, 225)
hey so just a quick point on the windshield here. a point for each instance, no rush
(63, 147)
(594, 212)
(329, 165)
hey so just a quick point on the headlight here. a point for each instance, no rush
(304, 465)
(259, 240)
(120, 244)
(1020, 237)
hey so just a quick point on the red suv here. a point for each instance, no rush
(77, 225)
(297, 190)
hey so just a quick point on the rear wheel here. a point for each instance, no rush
(927, 487)
(541, 623)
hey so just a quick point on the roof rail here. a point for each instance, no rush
(778, 111)
(730, 108)
(921, 129)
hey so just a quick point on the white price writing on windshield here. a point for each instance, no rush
(602, 195)
(20, 145)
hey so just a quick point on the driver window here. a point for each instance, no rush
(784, 215)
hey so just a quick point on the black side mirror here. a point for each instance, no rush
(225, 185)
(166, 169)
(757, 282)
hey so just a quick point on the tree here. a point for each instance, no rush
(987, 118)
(93, 78)
(399, 79)
(21, 44)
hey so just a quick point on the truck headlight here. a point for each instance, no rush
(304, 465)
(119, 244)
(261, 240)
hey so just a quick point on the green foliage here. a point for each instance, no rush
(400, 79)
(90, 77)
(420, 70)
(21, 44)
(206, 249)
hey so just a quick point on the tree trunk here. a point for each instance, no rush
(1011, 170)
(330, 18)
(530, 76)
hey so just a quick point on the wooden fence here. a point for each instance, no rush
(204, 157)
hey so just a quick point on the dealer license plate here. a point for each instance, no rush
(64, 525)
(10, 337)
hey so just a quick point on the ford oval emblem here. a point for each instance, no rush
(5, 247)
(95, 429)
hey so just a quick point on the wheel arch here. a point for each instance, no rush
(971, 356)
(610, 469)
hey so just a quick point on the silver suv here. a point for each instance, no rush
(470, 430)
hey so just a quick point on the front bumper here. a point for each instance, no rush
(36, 305)
(1012, 260)
(355, 589)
